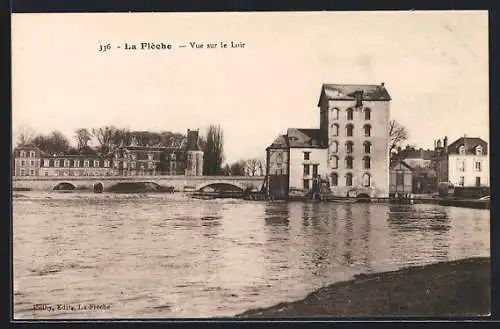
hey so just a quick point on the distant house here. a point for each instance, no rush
(468, 162)
(421, 163)
(400, 178)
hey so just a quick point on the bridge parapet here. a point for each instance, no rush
(180, 183)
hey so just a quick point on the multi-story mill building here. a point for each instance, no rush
(349, 150)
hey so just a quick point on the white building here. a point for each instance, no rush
(468, 162)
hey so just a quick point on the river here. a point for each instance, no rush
(167, 255)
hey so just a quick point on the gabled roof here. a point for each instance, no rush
(334, 91)
(299, 138)
(470, 144)
(395, 162)
(280, 142)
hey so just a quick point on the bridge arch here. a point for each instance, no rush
(220, 185)
(64, 186)
(98, 187)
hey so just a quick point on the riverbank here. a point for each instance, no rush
(456, 288)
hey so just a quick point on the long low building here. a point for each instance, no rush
(131, 160)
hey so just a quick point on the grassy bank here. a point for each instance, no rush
(458, 288)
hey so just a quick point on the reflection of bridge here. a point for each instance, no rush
(180, 183)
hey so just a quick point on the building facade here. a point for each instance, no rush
(401, 178)
(468, 162)
(131, 160)
(349, 150)
(354, 120)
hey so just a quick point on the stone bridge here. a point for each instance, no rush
(180, 183)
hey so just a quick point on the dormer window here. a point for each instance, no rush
(479, 150)
(461, 150)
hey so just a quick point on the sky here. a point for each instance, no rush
(433, 64)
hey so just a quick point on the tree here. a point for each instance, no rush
(25, 135)
(254, 167)
(53, 143)
(83, 137)
(104, 136)
(238, 168)
(213, 150)
(397, 135)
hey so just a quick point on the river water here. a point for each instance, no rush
(167, 255)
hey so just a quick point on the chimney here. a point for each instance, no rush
(445, 142)
(382, 84)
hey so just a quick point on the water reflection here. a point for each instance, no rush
(164, 256)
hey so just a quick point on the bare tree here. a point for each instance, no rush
(83, 137)
(25, 135)
(53, 143)
(104, 136)
(213, 150)
(397, 135)
(254, 166)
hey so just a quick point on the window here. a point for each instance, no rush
(366, 180)
(478, 181)
(400, 179)
(349, 114)
(134, 156)
(106, 163)
(348, 179)
(32, 163)
(150, 165)
(150, 156)
(461, 150)
(32, 154)
(22, 172)
(66, 163)
(279, 157)
(46, 173)
(23, 163)
(335, 114)
(334, 147)
(368, 113)
(306, 170)
(172, 156)
(76, 163)
(22, 154)
(46, 162)
(86, 163)
(335, 179)
(348, 162)
(335, 129)
(334, 160)
(462, 181)
(478, 166)
(117, 156)
(132, 164)
(349, 147)
(174, 165)
(479, 150)
(56, 163)
(349, 130)
(96, 163)
(306, 155)
(306, 184)
(368, 130)
(315, 170)
(366, 162)
(32, 172)
(461, 166)
(367, 147)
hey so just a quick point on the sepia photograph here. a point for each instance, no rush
(250, 165)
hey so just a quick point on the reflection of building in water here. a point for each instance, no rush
(349, 150)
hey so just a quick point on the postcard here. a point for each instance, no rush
(250, 165)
